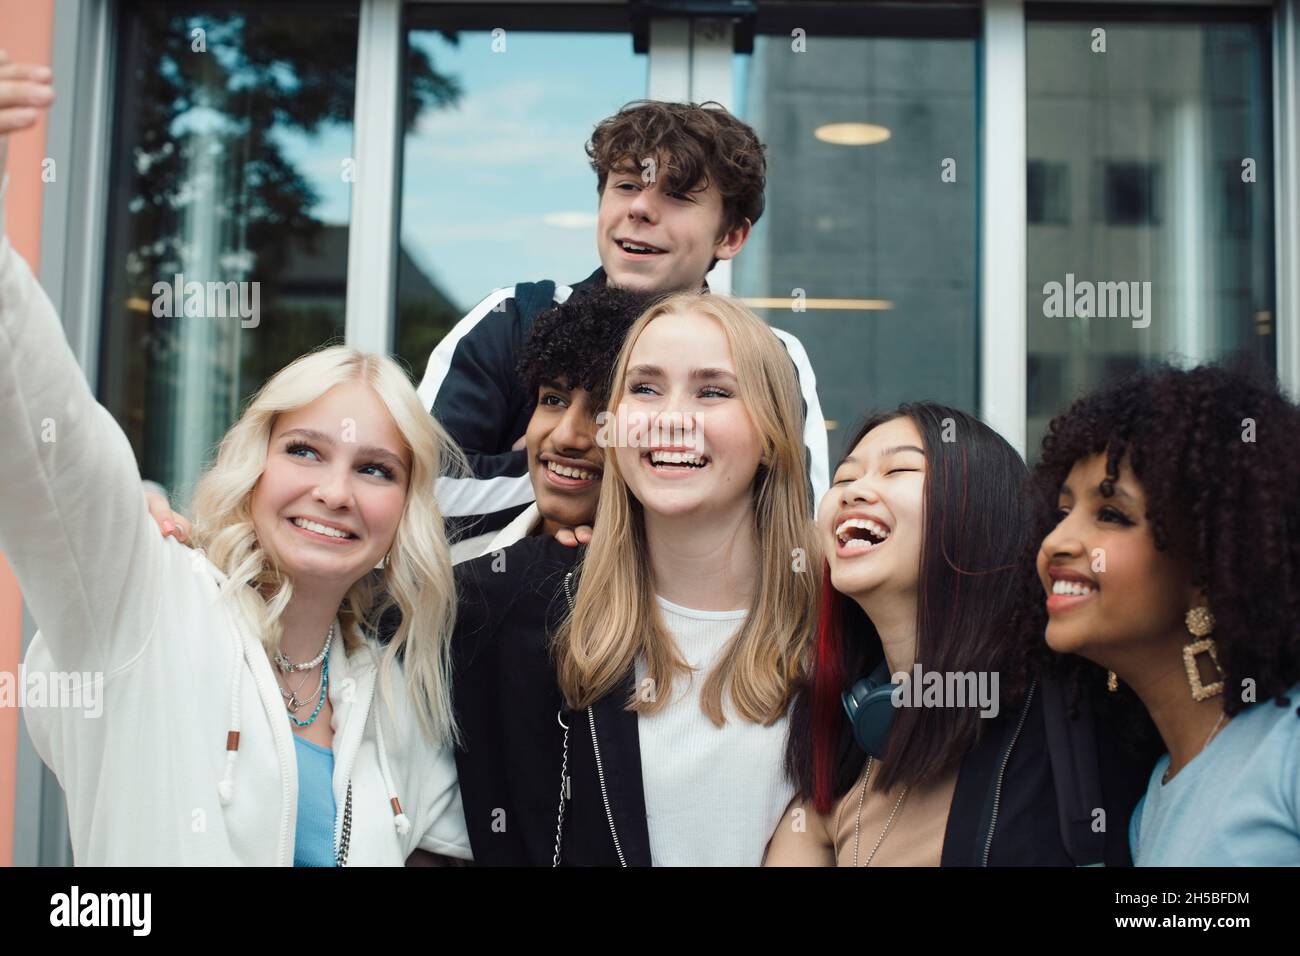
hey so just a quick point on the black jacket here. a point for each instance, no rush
(506, 699)
(1008, 808)
(1026, 794)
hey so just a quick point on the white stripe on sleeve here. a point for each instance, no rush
(440, 358)
(470, 497)
(814, 426)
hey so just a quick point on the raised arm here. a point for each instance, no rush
(73, 523)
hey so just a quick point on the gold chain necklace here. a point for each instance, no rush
(857, 828)
(1214, 730)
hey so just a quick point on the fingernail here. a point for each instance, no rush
(44, 73)
(43, 93)
(168, 527)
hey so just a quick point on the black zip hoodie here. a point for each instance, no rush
(1026, 794)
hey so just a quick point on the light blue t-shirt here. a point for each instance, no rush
(1237, 803)
(313, 843)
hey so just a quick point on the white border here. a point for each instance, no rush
(712, 77)
(372, 229)
(1286, 202)
(670, 60)
(1003, 300)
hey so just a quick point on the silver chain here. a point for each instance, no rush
(564, 789)
(301, 684)
(296, 703)
(345, 837)
(564, 763)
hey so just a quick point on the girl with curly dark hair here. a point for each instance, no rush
(1169, 504)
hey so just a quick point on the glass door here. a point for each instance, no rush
(496, 186)
(867, 250)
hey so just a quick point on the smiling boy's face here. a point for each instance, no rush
(564, 461)
(650, 240)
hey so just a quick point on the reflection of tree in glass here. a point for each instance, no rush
(206, 185)
(260, 74)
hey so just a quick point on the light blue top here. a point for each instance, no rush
(1237, 803)
(313, 843)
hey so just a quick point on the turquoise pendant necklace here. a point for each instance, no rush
(324, 690)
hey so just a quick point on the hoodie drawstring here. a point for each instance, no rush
(226, 788)
(400, 819)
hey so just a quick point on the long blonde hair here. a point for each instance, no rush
(615, 617)
(417, 575)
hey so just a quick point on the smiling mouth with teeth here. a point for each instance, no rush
(1073, 588)
(676, 459)
(861, 534)
(565, 471)
(638, 248)
(308, 525)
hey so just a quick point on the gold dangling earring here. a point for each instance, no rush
(1200, 624)
(1112, 681)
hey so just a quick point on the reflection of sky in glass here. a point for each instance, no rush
(319, 159)
(749, 277)
(867, 221)
(497, 189)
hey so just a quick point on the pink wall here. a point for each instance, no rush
(26, 34)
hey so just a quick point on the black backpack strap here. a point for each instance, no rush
(1076, 773)
(531, 300)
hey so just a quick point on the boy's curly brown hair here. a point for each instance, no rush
(1216, 450)
(693, 146)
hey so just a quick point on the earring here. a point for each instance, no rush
(1112, 681)
(383, 562)
(1200, 624)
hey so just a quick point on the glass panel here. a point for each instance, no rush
(227, 251)
(879, 235)
(1150, 200)
(496, 186)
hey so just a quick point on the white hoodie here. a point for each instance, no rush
(177, 670)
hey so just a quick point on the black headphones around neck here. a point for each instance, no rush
(870, 706)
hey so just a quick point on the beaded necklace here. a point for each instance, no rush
(324, 690)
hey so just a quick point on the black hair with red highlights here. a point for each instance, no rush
(975, 529)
